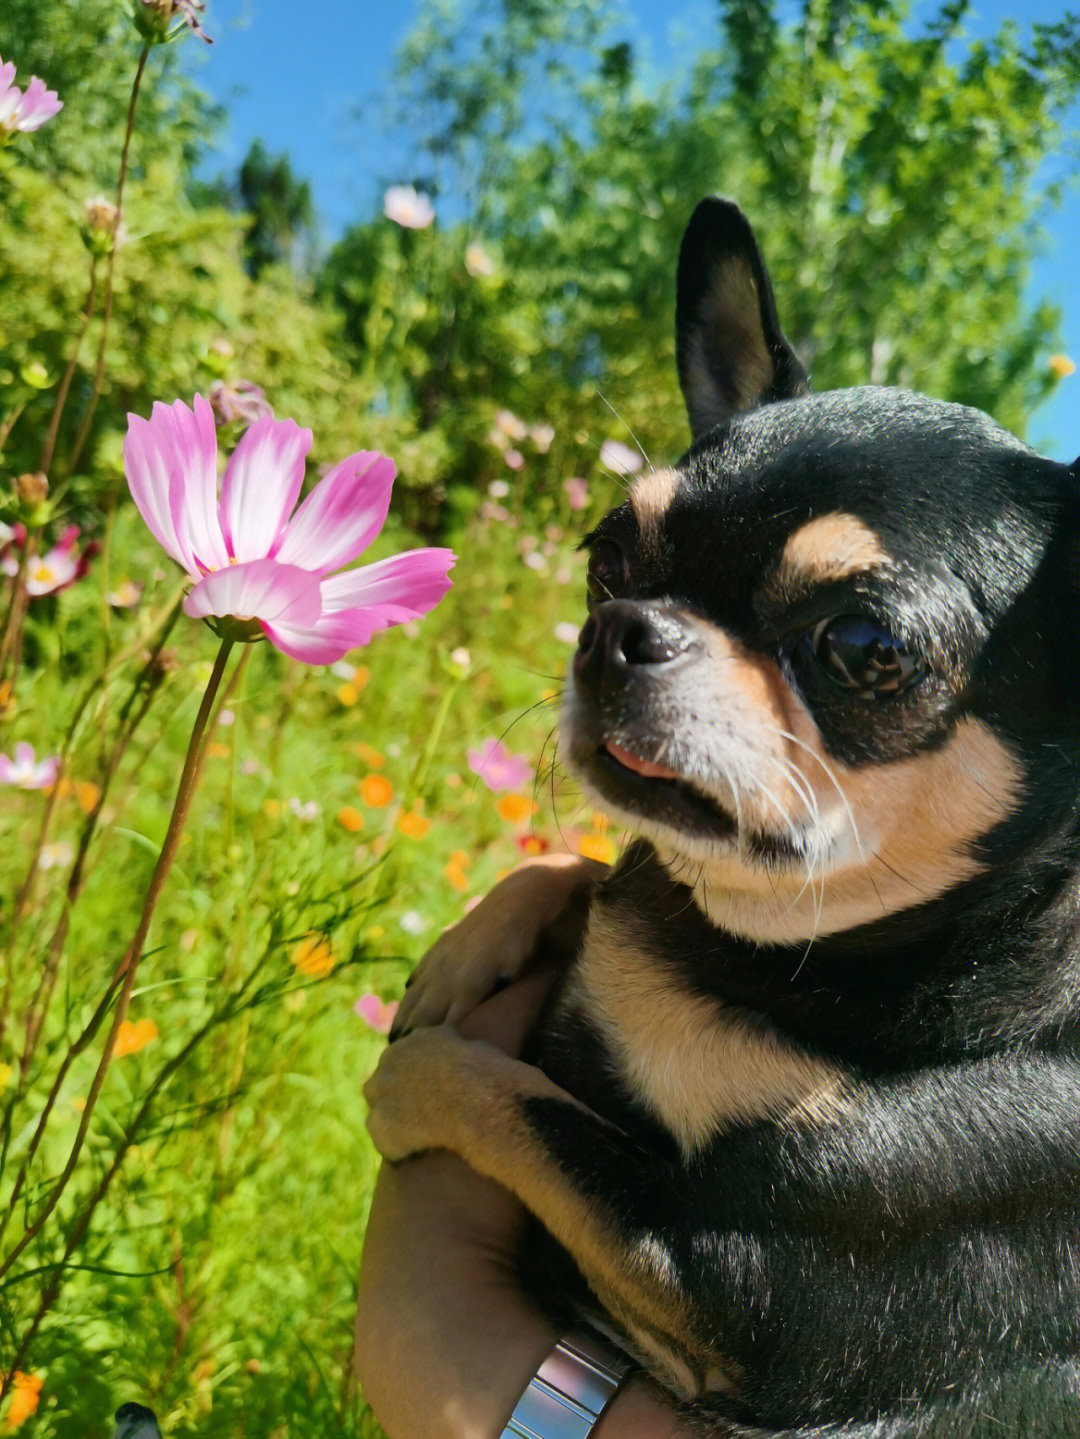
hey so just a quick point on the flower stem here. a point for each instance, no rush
(110, 269)
(123, 980)
(49, 447)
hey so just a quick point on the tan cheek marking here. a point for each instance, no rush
(701, 1069)
(650, 498)
(832, 547)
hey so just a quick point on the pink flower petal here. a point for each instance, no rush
(171, 466)
(326, 640)
(38, 105)
(498, 768)
(261, 589)
(262, 483)
(376, 1012)
(409, 584)
(342, 515)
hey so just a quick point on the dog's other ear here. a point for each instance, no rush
(732, 353)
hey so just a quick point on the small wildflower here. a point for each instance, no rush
(513, 808)
(515, 460)
(461, 659)
(508, 424)
(1061, 366)
(376, 791)
(577, 492)
(125, 596)
(408, 207)
(25, 771)
(60, 567)
(27, 110)
(567, 633)
(477, 261)
(497, 767)
(596, 846)
(25, 1398)
(307, 812)
(377, 1014)
(371, 756)
(413, 825)
(455, 875)
(499, 489)
(532, 843)
(619, 458)
(313, 956)
(350, 819)
(57, 855)
(542, 436)
(413, 922)
(133, 1035)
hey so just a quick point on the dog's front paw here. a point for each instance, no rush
(418, 1093)
(493, 943)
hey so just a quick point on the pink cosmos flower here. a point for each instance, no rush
(26, 771)
(258, 566)
(24, 111)
(377, 1013)
(49, 573)
(577, 492)
(408, 207)
(620, 458)
(497, 767)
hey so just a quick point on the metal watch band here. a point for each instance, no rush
(569, 1392)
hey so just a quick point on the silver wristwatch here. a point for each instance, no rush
(569, 1392)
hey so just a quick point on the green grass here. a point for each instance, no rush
(216, 1282)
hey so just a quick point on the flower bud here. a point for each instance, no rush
(32, 489)
(100, 218)
(153, 18)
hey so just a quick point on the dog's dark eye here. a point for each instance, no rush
(860, 654)
(609, 573)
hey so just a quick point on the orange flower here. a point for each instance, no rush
(376, 791)
(25, 1397)
(461, 857)
(595, 846)
(313, 955)
(455, 873)
(371, 757)
(1061, 366)
(414, 825)
(350, 819)
(532, 843)
(133, 1035)
(87, 793)
(513, 808)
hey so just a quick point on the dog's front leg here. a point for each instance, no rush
(434, 1089)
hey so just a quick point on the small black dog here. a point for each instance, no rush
(805, 1112)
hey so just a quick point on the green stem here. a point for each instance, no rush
(110, 269)
(124, 977)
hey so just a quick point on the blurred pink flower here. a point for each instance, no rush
(26, 771)
(514, 458)
(497, 767)
(238, 400)
(24, 111)
(408, 208)
(577, 492)
(620, 458)
(53, 571)
(260, 567)
(375, 1012)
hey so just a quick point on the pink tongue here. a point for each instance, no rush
(639, 766)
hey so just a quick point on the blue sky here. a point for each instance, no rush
(295, 75)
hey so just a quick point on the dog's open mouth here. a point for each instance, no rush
(655, 791)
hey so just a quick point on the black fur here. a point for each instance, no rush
(909, 1265)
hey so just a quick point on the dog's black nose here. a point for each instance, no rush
(620, 635)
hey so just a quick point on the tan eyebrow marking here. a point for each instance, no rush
(831, 547)
(650, 496)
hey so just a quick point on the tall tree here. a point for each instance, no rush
(278, 206)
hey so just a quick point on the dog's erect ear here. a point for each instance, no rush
(732, 353)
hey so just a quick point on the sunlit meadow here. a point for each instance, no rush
(221, 856)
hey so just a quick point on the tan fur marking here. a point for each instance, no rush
(650, 496)
(832, 547)
(700, 1067)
